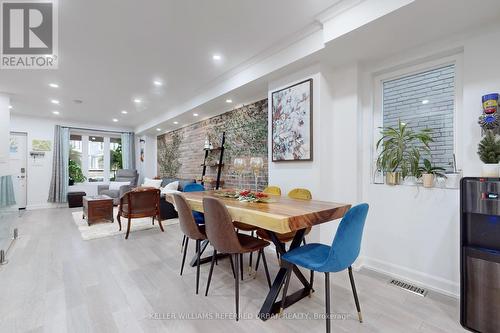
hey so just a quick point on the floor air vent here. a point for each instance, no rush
(408, 287)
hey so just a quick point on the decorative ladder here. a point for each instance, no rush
(219, 165)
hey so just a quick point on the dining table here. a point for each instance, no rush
(277, 215)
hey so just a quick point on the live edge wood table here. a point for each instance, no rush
(98, 208)
(279, 216)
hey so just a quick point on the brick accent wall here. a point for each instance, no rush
(180, 152)
(425, 100)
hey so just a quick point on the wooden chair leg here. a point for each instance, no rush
(161, 225)
(212, 269)
(237, 287)
(356, 300)
(184, 254)
(128, 227)
(119, 222)
(327, 301)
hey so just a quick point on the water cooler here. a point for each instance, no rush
(480, 254)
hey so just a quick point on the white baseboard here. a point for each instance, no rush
(46, 206)
(434, 283)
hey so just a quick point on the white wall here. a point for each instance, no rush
(411, 232)
(4, 134)
(146, 168)
(39, 173)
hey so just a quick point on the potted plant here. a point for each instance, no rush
(489, 153)
(429, 172)
(400, 150)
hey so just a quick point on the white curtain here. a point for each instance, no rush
(128, 151)
(60, 174)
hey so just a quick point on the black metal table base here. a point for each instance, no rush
(208, 259)
(271, 306)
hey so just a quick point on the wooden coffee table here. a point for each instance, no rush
(98, 208)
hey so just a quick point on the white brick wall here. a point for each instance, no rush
(403, 97)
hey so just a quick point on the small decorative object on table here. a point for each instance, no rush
(256, 163)
(239, 165)
(244, 196)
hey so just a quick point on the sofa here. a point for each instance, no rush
(167, 210)
(125, 175)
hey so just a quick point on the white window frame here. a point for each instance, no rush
(85, 154)
(401, 71)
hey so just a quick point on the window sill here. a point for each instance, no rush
(418, 186)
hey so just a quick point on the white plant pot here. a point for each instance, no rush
(428, 180)
(490, 170)
(453, 180)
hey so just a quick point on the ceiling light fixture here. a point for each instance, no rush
(124, 112)
(137, 100)
(425, 101)
(115, 120)
(195, 114)
(176, 122)
(55, 112)
(10, 106)
(229, 100)
(53, 85)
(158, 129)
(54, 101)
(217, 57)
(157, 83)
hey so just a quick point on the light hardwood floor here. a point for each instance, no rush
(56, 282)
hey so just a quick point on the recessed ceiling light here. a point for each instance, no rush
(54, 101)
(176, 122)
(124, 112)
(158, 83)
(425, 101)
(55, 112)
(115, 120)
(158, 129)
(10, 106)
(217, 57)
(195, 114)
(93, 138)
(137, 100)
(53, 85)
(229, 100)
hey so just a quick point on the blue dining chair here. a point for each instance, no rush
(329, 259)
(195, 187)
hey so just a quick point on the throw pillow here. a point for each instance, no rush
(172, 186)
(115, 186)
(148, 182)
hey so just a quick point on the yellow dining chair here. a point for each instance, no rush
(296, 193)
(272, 190)
(300, 193)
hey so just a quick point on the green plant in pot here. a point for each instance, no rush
(429, 172)
(400, 149)
(489, 153)
(75, 173)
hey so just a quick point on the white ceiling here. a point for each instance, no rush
(111, 51)
(107, 64)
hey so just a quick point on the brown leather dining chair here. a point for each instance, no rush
(139, 203)
(224, 239)
(191, 230)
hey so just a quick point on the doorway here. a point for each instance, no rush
(18, 156)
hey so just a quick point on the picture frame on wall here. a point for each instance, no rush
(291, 116)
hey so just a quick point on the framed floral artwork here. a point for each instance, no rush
(292, 131)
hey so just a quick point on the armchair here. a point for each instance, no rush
(125, 175)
